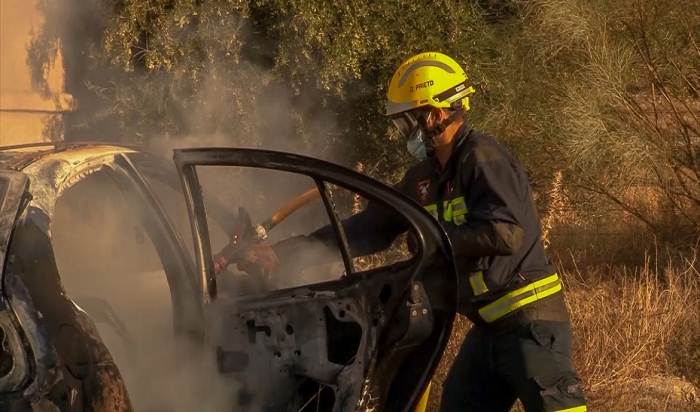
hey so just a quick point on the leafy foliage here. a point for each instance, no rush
(603, 93)
(313, 74)
(608, 95)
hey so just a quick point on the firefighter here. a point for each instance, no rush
(520, 344)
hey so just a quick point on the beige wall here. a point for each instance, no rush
(24, 114)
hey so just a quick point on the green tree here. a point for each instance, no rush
(607, 93)
(314, 72)
(604, 93)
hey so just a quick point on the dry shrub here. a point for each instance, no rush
(592, 230)
(626, 324)
(635, 338)
(556, 210)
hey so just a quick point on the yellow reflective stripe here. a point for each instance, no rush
(521, 297)
(453, 208)
(575, 409)
(459, 204)
(478, 284)
(432, 209)
(447, 212)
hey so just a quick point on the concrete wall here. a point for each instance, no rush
(26, 116)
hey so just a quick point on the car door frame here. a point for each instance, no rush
(187, 159)
(432, 241)
(187, 314)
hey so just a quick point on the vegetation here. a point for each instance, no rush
(635, 339)
(599, 99)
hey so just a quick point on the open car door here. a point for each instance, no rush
(368, 339)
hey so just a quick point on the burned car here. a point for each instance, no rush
(350, 335)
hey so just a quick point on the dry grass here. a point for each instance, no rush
(636, 338)
(557, 203)
(626, 327)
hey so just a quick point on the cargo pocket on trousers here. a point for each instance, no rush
(561, 391)
(544, 334)
(554, 342)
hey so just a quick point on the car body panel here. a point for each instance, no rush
(13, 186)
(374, 350)
(72, 368)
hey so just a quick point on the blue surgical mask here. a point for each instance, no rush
(415, 145)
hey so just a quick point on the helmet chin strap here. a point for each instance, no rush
(432, 133)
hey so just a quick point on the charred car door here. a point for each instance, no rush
(366, 340)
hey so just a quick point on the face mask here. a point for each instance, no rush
(415, 145)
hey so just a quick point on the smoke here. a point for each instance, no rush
(261, 192)
(273, 117)
(108, 264)
(101, 249)
(103, 252)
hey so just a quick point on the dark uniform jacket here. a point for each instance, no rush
(483, 200)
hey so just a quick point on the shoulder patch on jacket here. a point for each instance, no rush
(423, 188)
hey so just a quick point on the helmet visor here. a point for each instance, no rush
(407, 122)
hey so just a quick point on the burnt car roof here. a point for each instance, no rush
(53, 168)
(17, 157)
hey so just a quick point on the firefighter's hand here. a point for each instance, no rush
(258, 257)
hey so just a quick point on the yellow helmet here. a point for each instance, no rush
(428, 79)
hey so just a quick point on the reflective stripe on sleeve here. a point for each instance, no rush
(478, 284)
